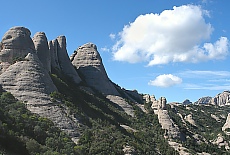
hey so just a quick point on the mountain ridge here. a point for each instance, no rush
(99, 116)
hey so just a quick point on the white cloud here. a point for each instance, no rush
(207, 87)
(206, 80)
(105, 49)
(205, 74)
(165, 80)
(176, 35)
(112, 36)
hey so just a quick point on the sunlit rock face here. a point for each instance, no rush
(16, 44)
(42, 49)
(221, 99)
(25, 66)
(89, 63)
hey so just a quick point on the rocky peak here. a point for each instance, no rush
(27, 77)
(42, 49)
(53, 45)
(17, 38)
(89, 63)
(60, 58)
(16, 43)
(221, 99)
(204, 100)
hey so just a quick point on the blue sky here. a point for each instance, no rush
(178, 49)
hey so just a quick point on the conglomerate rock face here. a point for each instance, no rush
(42, 49)
(89, 63)
(227, 124)
(60, 59)
(16, 44)
(28, 81)
(25, 66)
(221, 99)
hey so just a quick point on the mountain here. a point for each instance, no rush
(53, 104)
(220, 99)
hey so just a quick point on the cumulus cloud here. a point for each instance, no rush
(176, 35)
(165, 80)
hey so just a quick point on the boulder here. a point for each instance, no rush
(42, 49)
(88, 62)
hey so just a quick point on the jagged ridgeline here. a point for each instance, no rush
(51, 103)
(88, 113)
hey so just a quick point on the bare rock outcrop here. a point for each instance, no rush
(168, 124)
(159, 104)
(53, 47)
(227, 125)
(29, 81)
(149, 98)
(190, 119)
(60, 58)
(89, 63)
(221, 99)
(122, 103)
(203, 100)
(16, 44)
(42, 49)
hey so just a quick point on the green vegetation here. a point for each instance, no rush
(22, 132)
(102, 133)
(105, 128)
(206, 126)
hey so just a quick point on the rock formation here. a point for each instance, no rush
(204, 100)
(227, 124)
(190, 119)
(42, 49)
(53, 47)
(159, 104)
(149, 98)
(221, 99)
(187, 101)
(89, 63)
(16, 44)
(168, 124)
(27, 78)
(122, 103)
(61, 59)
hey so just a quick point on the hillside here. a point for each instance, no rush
(53, 104)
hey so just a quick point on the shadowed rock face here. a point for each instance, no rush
(60, 59)
(53, 45)
(89, 63)
(42, 49)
